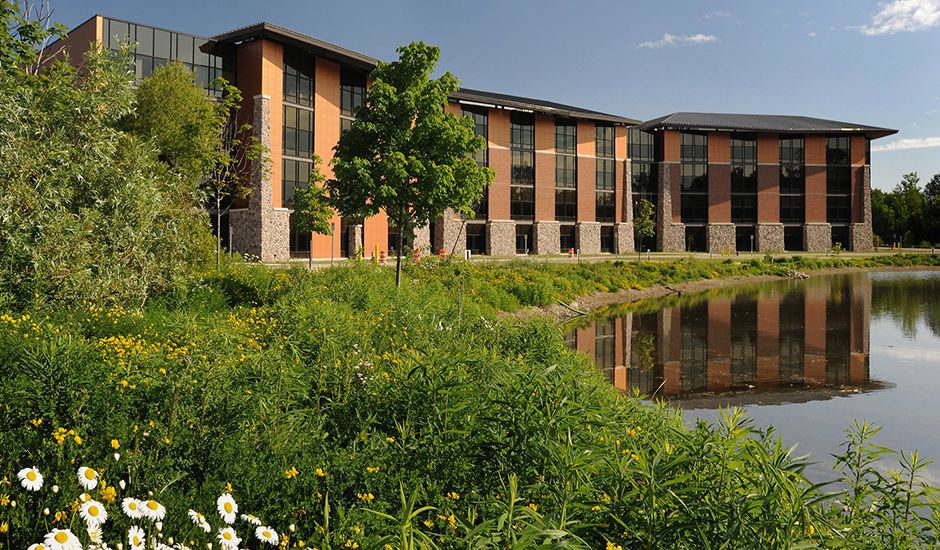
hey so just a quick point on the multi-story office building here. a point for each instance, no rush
(566, 177)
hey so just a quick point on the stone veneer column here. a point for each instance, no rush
(861, 236)
(501, 238)
(817, 236)
(769, 237)
(547, 237)
(355, 240)
(624, 231)
(670, 237)
(262, 230)
(587, 237)
(720, 235)
(422, 240)
(449, 232)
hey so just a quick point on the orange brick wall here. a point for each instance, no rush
(326, 125)
(500, 160)
(587, 172)
(544, 168)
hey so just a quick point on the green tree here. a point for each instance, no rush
(932, 189)
(312, 211)
(404, 154)
(198, 136)
(644, 221)
(908, 204)
(87, 211)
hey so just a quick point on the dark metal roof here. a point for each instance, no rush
(504, 101)
(721, 122)
(270, 31)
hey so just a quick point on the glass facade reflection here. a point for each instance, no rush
(786, 338)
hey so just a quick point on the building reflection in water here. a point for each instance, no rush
(769, 338)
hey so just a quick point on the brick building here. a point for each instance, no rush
(565, 176)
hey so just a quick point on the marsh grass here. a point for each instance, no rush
(374, 417)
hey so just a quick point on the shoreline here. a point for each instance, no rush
(595, 300)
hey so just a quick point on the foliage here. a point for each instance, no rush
(644, 221)
(907, 214)
(346, 412)
(86, 210)
(312, 212)
(404, 154)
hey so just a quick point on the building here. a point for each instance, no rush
(566, 177)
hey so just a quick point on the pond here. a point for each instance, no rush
(806, 357)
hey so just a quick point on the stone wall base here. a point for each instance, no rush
(449, 233)
(547, 237)
(501, 238)
(769, 237)
(268, 242)
(587, 237)
(422, 240)
(355, 240)
(671, 237)
(719, 236)
(623, 238)
(817, 236)
(860, 238)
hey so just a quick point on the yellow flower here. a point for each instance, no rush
(115, 445)
(319, 472)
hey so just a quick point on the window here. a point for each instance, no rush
(298, 79)
(481, 128)
(605, 175)
(522, 175)
(567, 240)
(792, 188)
(352, 89)
(295, 173)
(476, 238)
(743, 178)
(566, 171)
(694, 178)
(838, 181)
(792, 209)
(298, 132)
(644, 176)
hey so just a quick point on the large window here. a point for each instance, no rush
(743, 179)
(792, 190)
(522, 178)
(694, 170)
(297, 130)
(481, 128)
(298, 78)
(158, 47)
(644, 177)
(352, 88)
(566, 171)
(838, 179)
(605, 182)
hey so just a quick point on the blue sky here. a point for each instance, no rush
(864, 61)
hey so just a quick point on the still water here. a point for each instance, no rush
(807, 357)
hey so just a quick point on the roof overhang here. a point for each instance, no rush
(778, 124)
(513, 103)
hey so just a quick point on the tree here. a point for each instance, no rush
(198, 137)
(87, 211)
(932, 189)
(312, 210)
(404, 154)
(644, 222)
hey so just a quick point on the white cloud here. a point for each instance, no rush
(910, 143)
(812, 34)
(904, 15)
(716, 15)
(671, 40)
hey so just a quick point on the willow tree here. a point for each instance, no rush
(404, 154)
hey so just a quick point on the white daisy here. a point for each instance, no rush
(266, 534)
(132, 507)
(93, 513)
(136, 538)
(228, 538)
(251, 519)
(228, 508)
(199, 520)
(30, 479)
(153, 510)
(37, 546)
(94, 533)
(62, 539)
(88, 477)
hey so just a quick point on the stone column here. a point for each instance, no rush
(720, 235)
(861, 237)
(262, 230)
(355, 240)
(817, 236)
(587, 237)
(624, 231)
(670, 237)
(449, 232)
(422, 240)
(501, 238)
(547, 237)
(769, 237)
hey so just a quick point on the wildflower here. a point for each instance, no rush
(199, 520)
(153, 510)
(122, 484)
(109, 494)
(292, 472)
(228, 538)
(37, 546)
(266, 534)
(228, 508)
(93, 513)
(4, 527)
(88, 477)
(251, 519)
(117, 457)
(55, 488)
(30, 479)
(62, 539)
(135, 537)
(319, 472)
(453, 496)
(115, 445)
(94, 533)
(132, 508)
